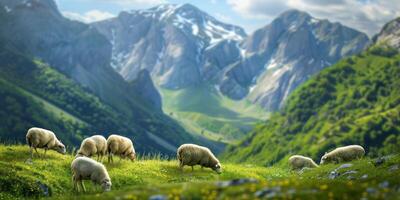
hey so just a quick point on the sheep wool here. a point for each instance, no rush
(121, 146)
(45, 139)
(84, 168)
(192, 154)
(297, 162)
(341, 154)
(94, 145)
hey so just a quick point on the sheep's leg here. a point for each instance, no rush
(31, 150)
(83, 186)
(192, 169)
(202, 168)
(45, 150)
(37, 152)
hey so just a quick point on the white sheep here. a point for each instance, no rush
(94, 145)
(121, 146)
(346, 153)
(299, 162)
(42, 138)
(84, 168)
(191, 154)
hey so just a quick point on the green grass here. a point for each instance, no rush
(203, 111)
(151, 176)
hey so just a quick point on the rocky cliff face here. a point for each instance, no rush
(292, 48)
(168, 40)
(144, 87)
(390, 34)
(182, 46)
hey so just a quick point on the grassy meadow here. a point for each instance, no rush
(21, 177)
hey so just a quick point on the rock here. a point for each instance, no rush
(45, 189)
(347, 165)
(365, 176)
(371, 190)
(333, 174)
(379, 161)
(351, 177)
(349, 172)
(268, 192)
(29, 161)
(384, 184)
(236, 182)
(394, 168)
(158, 197)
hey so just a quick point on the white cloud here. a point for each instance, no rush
(367, 16)
(90, 16)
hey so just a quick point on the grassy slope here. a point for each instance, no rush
(356, 100)
(146, 177)
(203, 111)
(71, 104)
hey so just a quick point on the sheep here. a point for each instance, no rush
(121, 146)
(42, 138)
(297, 162)
(340, 154)
(192, 154)
(84, 168)
(96, 144)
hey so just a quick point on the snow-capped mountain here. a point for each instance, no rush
(168, 40)
(182, 46)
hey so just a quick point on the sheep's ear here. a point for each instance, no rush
(326, 153)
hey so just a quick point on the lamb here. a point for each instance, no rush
(121, 146)
(42, 138)
(84, 168)
(297, 162)
(191, 154)
(96, 144)
(346, 153)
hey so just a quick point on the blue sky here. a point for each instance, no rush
(365, 15)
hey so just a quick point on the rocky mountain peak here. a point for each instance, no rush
(48, 6)
(390, 34)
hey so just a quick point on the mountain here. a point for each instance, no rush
(182, 46)
(355, 101)
(290, 50)
(82, 55)
(167, 40)
(390, 34)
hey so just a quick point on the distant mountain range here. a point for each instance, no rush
(34, 33)
(355, 101)
(182, 46)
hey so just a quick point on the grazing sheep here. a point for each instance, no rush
(346, 153)
(191, 154)
(96, 144)
(299, 162)
(121, 146)
(84, 168)
(42, 138)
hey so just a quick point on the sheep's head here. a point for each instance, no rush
(324, 159)
(132, 156)
(217, 168)
(106, 185)
(60, 148)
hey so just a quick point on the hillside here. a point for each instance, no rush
(38, 95)
(356, 101)
(202, 110)
(152, 177)
(78, 78)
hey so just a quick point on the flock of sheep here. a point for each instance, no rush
(338, 155)
(85, 168)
